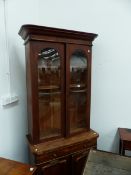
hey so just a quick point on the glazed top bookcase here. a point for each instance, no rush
(58, 69)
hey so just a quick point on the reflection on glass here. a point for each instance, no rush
(77, 111)
(49, 93)
(49, 69)
(78, 91)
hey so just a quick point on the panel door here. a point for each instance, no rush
(78, 162)
(57, 167)
(48, 89)
(78, 80)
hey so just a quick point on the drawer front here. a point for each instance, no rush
(63, 151)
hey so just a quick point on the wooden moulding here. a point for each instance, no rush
(64, 142)
(28, 29)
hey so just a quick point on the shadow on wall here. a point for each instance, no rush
(115, 143)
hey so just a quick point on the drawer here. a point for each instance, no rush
(65, 150)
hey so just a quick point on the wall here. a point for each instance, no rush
(111, 65)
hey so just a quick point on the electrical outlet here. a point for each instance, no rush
(9, 99)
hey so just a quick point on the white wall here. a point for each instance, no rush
(111, 66)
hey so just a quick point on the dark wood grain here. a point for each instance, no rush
(125, 134)
(89, 138)
(27, 30)
(125, 140)
(58, 103)
(11, 167)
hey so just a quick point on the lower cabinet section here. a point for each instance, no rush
(69, 165)
(63, 156)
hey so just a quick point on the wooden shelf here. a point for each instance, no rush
(75, 129)
(50, 87)
(49, 93)
(78, 85)
(78, 90)
(50, 133)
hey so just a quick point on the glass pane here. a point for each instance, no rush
(78, 91)
(49, 93)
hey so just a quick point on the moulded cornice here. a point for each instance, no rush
(28, 30)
